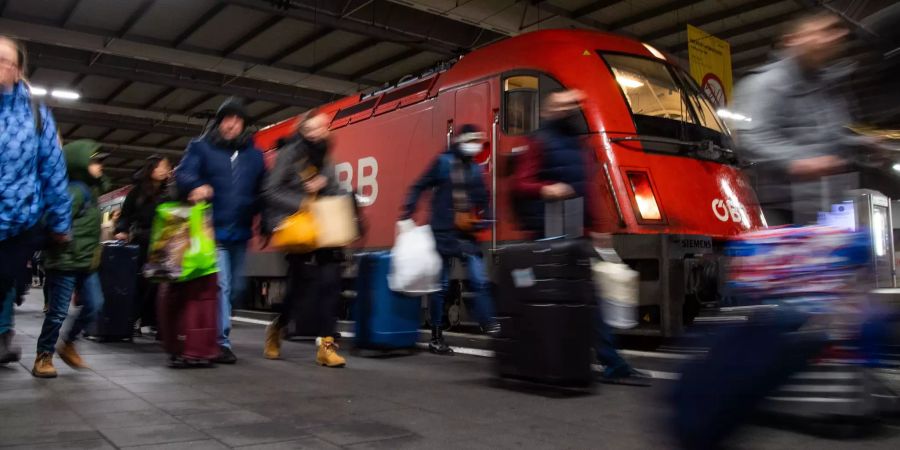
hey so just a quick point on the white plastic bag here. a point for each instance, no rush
(415, 262)
(618, 288)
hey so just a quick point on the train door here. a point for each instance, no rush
(521, 96)
(474, 106)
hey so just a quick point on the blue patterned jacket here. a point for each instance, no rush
(33, 179)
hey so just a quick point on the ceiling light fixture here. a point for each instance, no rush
(65, 95)
(38, 91)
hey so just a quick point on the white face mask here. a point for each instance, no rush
(470, 148)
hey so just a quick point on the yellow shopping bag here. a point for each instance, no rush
(297, 233)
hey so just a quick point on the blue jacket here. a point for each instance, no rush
(437, 178)
(236, 186)
(33, 180)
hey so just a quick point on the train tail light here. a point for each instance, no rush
(648, 208)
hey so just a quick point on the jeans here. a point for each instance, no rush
(605, 347)
(230, 258)
(7, 301)
(483, 306)
(60, 287)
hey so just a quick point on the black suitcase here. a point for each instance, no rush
(119, 273)
(544, 303)
(548, 344)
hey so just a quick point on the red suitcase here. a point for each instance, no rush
(188, 318)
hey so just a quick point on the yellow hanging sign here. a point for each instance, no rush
(710, 60)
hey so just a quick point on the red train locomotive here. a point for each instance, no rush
(667, 184)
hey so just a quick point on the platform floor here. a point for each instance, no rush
(130, 399)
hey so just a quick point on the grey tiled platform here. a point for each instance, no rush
(129, 399)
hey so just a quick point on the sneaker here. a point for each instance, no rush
(493, 330)
(272, 348)
(226, 356)
(43, 366)
(327, 354)
(439, 347)
(8, 352)
(67, 353)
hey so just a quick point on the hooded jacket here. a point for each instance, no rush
(82, 253)
(235, 170)
(32, 170)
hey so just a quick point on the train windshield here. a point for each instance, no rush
(665, 102)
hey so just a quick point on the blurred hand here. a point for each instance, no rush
(316, 184)
(264, 240)
(60, 238)
(121, 236)
(818, 166)
(200, 194)
(557, 191)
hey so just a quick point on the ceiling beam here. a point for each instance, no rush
(402, 56)
(652, 13)
(166, 142)
(69, 11)
(116, 121)
(344, 54)
(36, 30)
(197, 102)
(102, 137)
(136, 138)
(73, 130)
(300, 44)
(594, 7)
(158, 97)
(253, 34)
(752, 45)
(118, 91)
(135, 17)
(321, 16)
(185, 79)
(708, 19)
(266, 113)
(202, 20)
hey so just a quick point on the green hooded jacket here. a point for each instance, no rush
(82, 253)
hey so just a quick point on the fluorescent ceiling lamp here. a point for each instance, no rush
(65, 95)
(38, 91)
(654, 51)
(896, 167)
(628, 82)
(726, 114)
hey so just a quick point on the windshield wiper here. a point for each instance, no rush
(705, 149)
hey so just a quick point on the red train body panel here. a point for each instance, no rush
(384, 141)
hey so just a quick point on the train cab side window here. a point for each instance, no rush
(521, 101)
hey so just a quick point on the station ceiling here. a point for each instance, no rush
(152, 72)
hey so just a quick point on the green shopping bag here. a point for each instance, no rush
(182, 243)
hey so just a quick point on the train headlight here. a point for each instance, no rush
(644, 199)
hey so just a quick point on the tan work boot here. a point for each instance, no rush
(43, 366)
(273, 341)
(327, 354)
(69, 356)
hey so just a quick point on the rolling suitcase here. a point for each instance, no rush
(384, 319)
(188, 318)
(545, 297)
(119, 272)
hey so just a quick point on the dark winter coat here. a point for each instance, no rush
(236, 184)
(450, 242)
(553, 156)
(82, 253)
(138, 212)
(283, 191)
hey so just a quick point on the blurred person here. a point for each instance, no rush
(223, 166)
(72, 267)
(458, 199)
(135, 222)
(304, 168)
(32, 184)
(797, 133)
(557, 167)
(108, 227)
